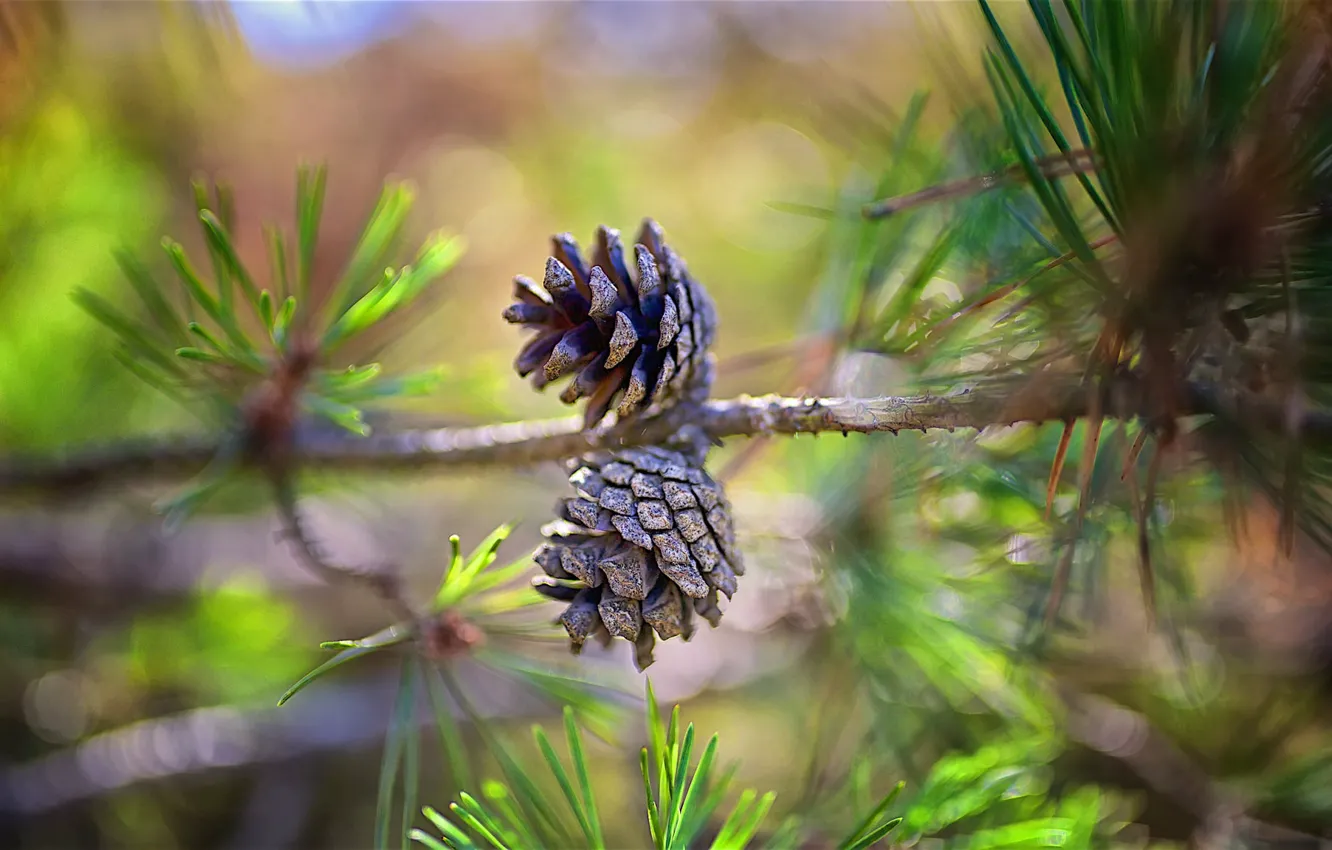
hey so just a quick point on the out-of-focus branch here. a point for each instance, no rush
(1052, 167)
(333, 715)
(329, 717)
(385, 583)
(1222, 813)
(81, 471)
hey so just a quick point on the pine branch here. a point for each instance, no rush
(512, 444)
(84, 471)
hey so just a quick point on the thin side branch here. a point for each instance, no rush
(384, 583)
(84, 471)
(1052, 167)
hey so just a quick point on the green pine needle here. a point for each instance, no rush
(401, 731)
(328, 666)
(584, 780)
(310, 186)
(581, 813)
(870, 826)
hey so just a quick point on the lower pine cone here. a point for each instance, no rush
(644, 545)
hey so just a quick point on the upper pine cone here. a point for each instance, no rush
(642, 337)
(649, 539)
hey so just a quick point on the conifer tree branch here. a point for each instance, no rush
(82, 471)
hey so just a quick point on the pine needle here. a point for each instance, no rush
(1086, 466)
(1146, 573)
(1057, 468)
(1131, 457)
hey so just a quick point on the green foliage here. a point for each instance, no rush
(1158, 94)
(682, 798)
(1156, 89)
(1092, 216)
(1160, 248)
(999, 796)
(214, 341)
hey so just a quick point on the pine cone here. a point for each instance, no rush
(649, 541)
(642, 338)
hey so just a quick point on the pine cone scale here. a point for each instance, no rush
(534, 354)
(669, 326)
(686, 577)
(632, 531)
(654, 515)
(671, 549)
(663, 610)
(707, 554)
(629, 573)
(566, 252)
(621, 616)
(618, 500)
(565, 292)
(582, 618)
(691, 524)
(623, 341)
(575, 350)
(647, 486)
(609, 255)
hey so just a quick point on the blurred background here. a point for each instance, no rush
(879, 625)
